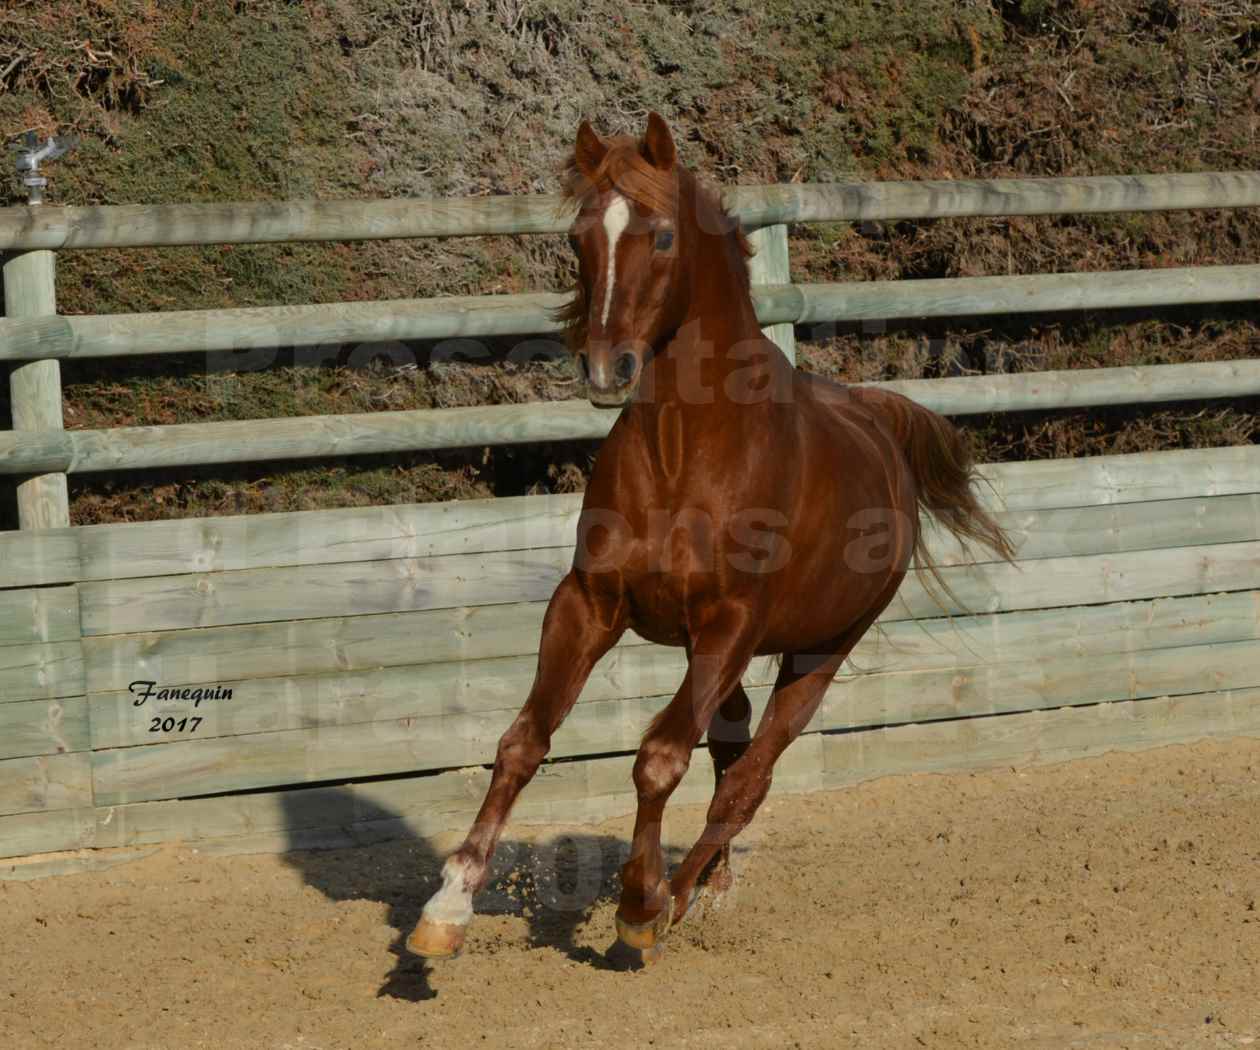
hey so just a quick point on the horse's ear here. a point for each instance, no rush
(659, 143)
(590, 150)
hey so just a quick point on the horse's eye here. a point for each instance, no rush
(664, 240)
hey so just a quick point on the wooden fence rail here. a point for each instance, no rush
(135, 225)
(199, 331)
(428, 429)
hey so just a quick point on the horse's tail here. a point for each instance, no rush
(941, 459)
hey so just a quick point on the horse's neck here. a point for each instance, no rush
(718, 353)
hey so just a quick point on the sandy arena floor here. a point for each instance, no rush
(1104, 903)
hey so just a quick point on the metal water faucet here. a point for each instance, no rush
(30, 154)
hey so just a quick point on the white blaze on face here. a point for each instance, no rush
(616, 219)
(452, 904)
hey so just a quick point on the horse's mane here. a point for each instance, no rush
(626, 170)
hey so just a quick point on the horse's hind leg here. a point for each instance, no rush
(728, 739)
(802, 681)
(576, 632)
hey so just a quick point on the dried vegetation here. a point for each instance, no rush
(268, 99)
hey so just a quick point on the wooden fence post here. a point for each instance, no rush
(771, 266)
(35, 388)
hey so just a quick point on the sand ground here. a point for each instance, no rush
(1109, 902)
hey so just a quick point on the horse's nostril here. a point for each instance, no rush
(584, 366)
(626, 367)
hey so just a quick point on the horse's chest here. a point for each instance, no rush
(671, 570)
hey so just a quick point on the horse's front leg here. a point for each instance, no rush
(720, 652)
(580, 626)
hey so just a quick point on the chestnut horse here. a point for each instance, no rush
(738, 507)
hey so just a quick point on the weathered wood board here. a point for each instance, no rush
(384, 641)
(132, 225)
(41, 671)
(427, 429)
(166, 548)
(480, 696)
(45, 782)
(417, 584)
(596, 789)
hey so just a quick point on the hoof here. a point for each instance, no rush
(436, 940)
(647, 935)
(622, 957)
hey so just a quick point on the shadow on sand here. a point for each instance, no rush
(555, 884)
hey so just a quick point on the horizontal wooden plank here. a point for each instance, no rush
(455, 736)
(257, 440)
(23, 834)
(131, 225)
(363, 643)
(1038, 737)
(596, 789)
(160, 548)
(810, 304)
(312, 646)
(44, 727)
(205, 331)
(1111, 529)
(42, 614)
(46, 782)
(31, 557)
(261, 595)
(408, 585)
(479, 697)
(37, 672)
(1134, 478)
(954, 198)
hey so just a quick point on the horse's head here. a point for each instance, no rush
(626, 236)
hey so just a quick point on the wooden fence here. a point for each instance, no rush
(396, 641)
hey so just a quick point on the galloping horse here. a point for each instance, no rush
(738, 507)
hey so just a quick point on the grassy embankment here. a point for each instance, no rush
(345, 98)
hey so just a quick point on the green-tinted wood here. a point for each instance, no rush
(221, 654)
(779, 305)
(39, 556)
(44, 727)
(1039, 737)
(406, 585)
(24, 834)
(361, 643)
(1133, 478)
(770, 264)
(44, 670)
(456, 737)
(515, 523)
(44, 614)
(601, 788)
(129, 448)
(356, 588)
(47, 782)
(479, 697)
(35, 388)
(266, 327)
(104, 226)
(135, 448)
(597, 789)
(1039, 293)
(160, 548)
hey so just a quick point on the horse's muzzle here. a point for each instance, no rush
(610, 382)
